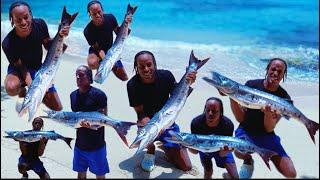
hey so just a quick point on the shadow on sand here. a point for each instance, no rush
(132, 165)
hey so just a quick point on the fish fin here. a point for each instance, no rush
(131, 10)
(312, 127)
(64, 47)
(189, 91)
(68, 141)
(66, 17)
(286, 117)
(122, 130)
(266, 155)
(199, 63)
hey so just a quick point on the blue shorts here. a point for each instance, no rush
(167, 144)
(118, 64)
(96, 161)
(13, 70)
(35, 165)
(268, 141)
(206, 161)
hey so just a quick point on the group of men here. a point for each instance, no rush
(148, 90)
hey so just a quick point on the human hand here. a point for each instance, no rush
(225, 150)
(128, 19)
(43, 140)
(28, 79)
(64, 31)
(191, 77)
(102, 54)
(143, 121)
(85, 124)
(269, 113)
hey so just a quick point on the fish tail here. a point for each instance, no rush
(122, 130)
(312, 127)
(68, 17)
(266, 155)
(131, 10)
(68, 141)
(194, 59)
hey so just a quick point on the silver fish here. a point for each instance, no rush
(213, 143)
(256, 99)
(166, 116)
(95, 119)
(115, 51)
(46, 73)
(33, 136)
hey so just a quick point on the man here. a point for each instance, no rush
(148, 91)
(258, 126)
(23, 48)
(213, 122)
(99, 35)
(29, 159)
(90, 148)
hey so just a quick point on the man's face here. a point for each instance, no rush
(212, 112)
(22, 20)
(96, 14)
(37, 124)
(82, 79)
(275, 72)
(146, 67)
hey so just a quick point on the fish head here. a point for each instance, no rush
(14, 134)
(53, 114)
(223, 84)
(146, 135)
(184, 139)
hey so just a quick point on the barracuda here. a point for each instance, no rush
(95, 119)
(256, 99)
(43, 78)
(33, 136)
(115, 51)
(169, 112)
(213, 143)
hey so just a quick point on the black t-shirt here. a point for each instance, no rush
(103, 34)
(28, 49)
(199, 126)
(254, 118)
(152, 96)
(93, 100)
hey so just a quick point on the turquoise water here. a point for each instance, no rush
(248, 31)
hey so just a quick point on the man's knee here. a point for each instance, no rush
(290, 173)
(93, 61)
(12, 87)
(22, 168)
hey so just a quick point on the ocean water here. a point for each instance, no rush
(239, 35)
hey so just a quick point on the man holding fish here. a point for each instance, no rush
(23, 48)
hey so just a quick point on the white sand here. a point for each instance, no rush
(58, 156)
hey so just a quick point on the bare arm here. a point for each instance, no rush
(142, 118)
(23, 148)
(237, 110)
(42, 146)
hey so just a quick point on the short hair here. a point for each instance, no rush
(215, 99)
(38, 118)
(86, 70)
(135, 65)
(278, 59)
(15, 4)
(92, 3)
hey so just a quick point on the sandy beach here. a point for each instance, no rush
(58, 156)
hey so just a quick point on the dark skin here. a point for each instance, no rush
(37, 125)
(14, 83)
(275, 74)
(96, 14)
(213, 116)
(83, 83)
(146, 70)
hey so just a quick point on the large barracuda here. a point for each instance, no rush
(33, 136)
(46, 73)
(213, 143)
(256, 99)
(166, 116)
(95, 119)
(115, 51)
